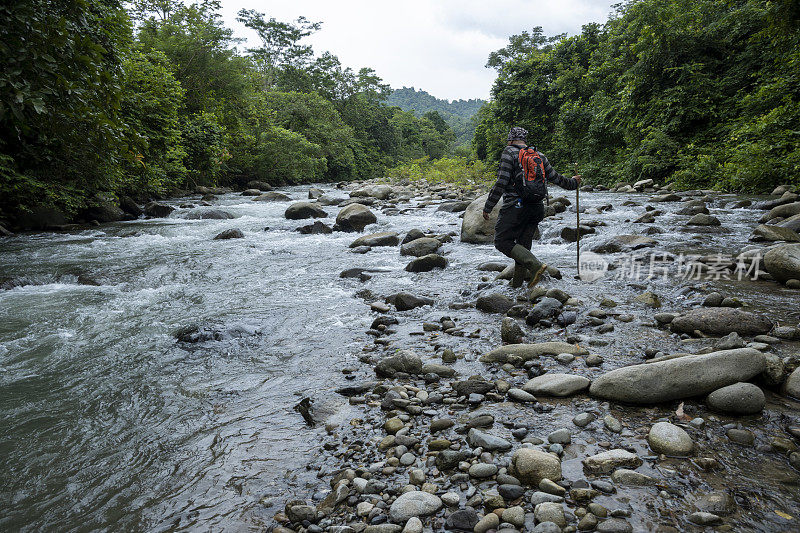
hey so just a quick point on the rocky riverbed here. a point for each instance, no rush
(659, 396)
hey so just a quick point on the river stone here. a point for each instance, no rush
(232, 233)
(414, 503)
(570, 234)
(494, 303)
(301, 210)
(405, 361)
(421, 246)
(490, 521)
(482, 470)
(426, 263)
(669, 439)
(260, 185)
(792, 387)
(621, 243)
(531, 351)
(519, 395)
(682, 377)
(272, 196)
(556, 385)
(380, 192)
(703, 219)
(793, 222)
(404, 301)
(355, 217)
(721, 321)
(514, 516)
(156, 210)
(739, 398)
(476, 230)
(251, 192)
(480, 439)
(383, 528)
(318, 228)
(414, 525)
(610, 460)
(614, 525)
(510, 332)
(719, 503)
(782, 211)
(384, 238)
(463, 519)
(550, 512)
(765, 232)
(546, 527)
(530, 466)
(453, 207)
(783, 262)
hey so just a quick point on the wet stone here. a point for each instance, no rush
(560, 436)
(741, 436)
(583, 419)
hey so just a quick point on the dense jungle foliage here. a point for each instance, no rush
(702, 93)
(460, 115)
(100, 99)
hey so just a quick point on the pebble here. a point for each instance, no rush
(490, 521)
(612, 424)
(482, 470)
(541, 497)
(450, 499)
(741, 436)
(550, 512)
(560, 436)
(583, 419)
(520, 395)
(704, 519)
(551, 487)
(669, 439)
(614, 525)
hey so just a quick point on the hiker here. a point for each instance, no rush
(521, 180)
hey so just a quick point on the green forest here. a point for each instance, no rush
(460, 115)
(105, 98)
(700, 93)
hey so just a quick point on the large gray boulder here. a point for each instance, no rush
(669, 439)
(355, 217)
(556, 385)
(738, 399)
(209, 214)
(793, 223)
(681, 377)
(104, 208)
(531, 351)
(476, 230)
(721, 321)
(405, 361)
(426, 263)
(622, 243)
(783, 262)
(531, 466)
(782, 211)
(384, 238)
(792, 387)
(301, 210)
(272, 196)
(766, 232)
(380, 192)
(420, 247)
(414, 503)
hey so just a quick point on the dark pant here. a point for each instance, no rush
(517, 225)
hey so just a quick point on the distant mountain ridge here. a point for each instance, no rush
(459, 114)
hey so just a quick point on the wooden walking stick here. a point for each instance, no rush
(578, 221)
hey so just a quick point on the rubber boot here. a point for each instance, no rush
(523, 256)
(519, 275)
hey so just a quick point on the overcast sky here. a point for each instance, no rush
(440, 46)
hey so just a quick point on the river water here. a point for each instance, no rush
(110, 422)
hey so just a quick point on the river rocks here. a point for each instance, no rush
(621, 243)
(570, 234)
(783, 262)
(693, 210)
(531, 351)
(510, 332)
(420, 246)
(482, 470)
(494, 303)
(610, 460)
(414, 503)
(703, 219)
(463, 519)
(669, 439)
(251, 192)
(739, 399)
(792, 387)
(384, 238)
(355, 217)
(550, 512)
(668, 197)
(272, 196)
(477, 438)
(317, 228)
(426, 263)
(472, 386)
(404, 361)
(624, 476)
(650, 299)
(104, 208)
(209, 214)
(678, 378)
(489, 522)
(380, 192)
(453, 207)
(719, 503)
(721, 321)
(156, 210)
(301, 210)
(476, 230)
(765, 232)
(782, 211)
(130, 206)
(404, 301)
(544, 308)
(230, 234)
(793, 222)
(559, 385)
(531, 466)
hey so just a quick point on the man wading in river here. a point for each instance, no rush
(522, 182)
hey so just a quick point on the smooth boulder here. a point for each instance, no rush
(426, 263)
(783, 262)
(355, 217)
(531, 466)
(738, 399)
(301, 210)
(272, 196)
(608, 461)
(559, 385)
(681, 377)
(476, 230)
(404, 301)
(404, 361)
(669, 439)
(421, 246)
(622, 243)
(384, 238)
(531, 351)
(721, 321)
(412, 504)
(766, 232)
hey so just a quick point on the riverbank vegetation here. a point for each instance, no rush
(98, 99)
(705, 94)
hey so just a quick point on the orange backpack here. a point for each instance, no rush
(531, 183)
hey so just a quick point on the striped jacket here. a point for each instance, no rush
(509, 166)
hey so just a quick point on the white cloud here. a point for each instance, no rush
(439, 46)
